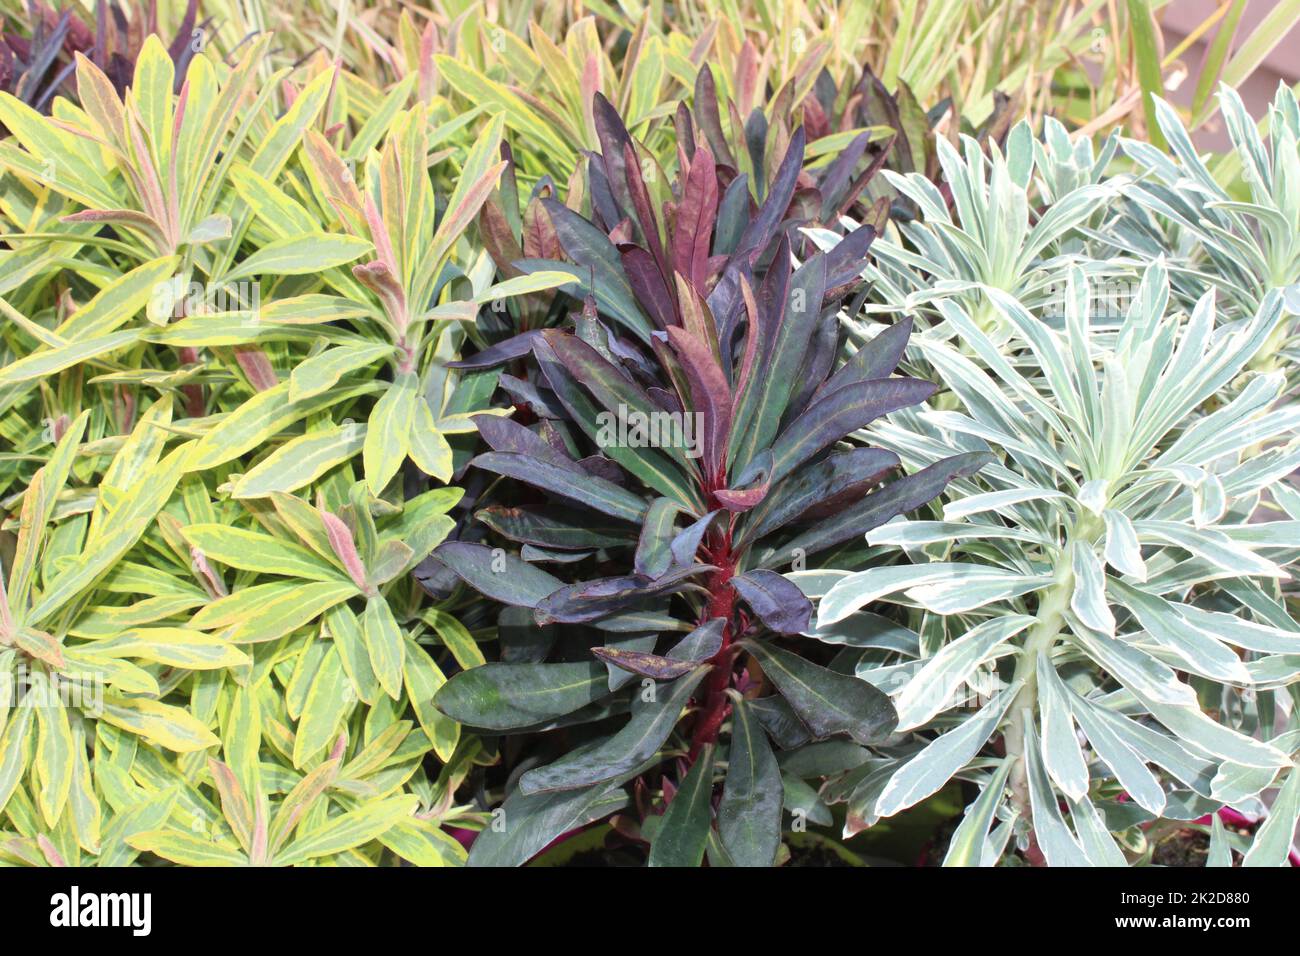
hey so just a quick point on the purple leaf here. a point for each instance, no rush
(503, 434)
(840, 478)
(645, 665)
(702, 644)
(696, 214)
(588, 601)
(614, 141)
(779, 604)
(515, 347)
(587, 490)
(708, 117)
(647, 282)
(641, 205)
(688, 540)
(499, 575)
(875, 360)
(710, 396)
(895, 498)
(840, 414)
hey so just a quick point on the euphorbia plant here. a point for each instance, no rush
(683, 535)
(1105, 575)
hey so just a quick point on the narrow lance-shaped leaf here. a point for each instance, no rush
(827, 702)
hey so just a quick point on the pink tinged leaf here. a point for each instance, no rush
(710, 396)
(621, 234)
(40, 645)
(708, 118)
(738, 500)
(746, 78)
(457, 219)
(121, 217)
(428, 72)
(173, 184)
(211, 580)
(340, 188)
(379, 279)
(6, 617)
(255, 364)
(379, 236)
(340, 538)
(340, 746)
(645, 212)
(146, 178)
(648, 284)
(695, 220)
(52, 856)
(257, 851)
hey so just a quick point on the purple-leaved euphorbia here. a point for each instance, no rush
(683, 444)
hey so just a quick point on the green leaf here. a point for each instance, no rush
(971, 837)
(128, 519)
(257, 421)
(253, 551)
(300, 461)
(348, 830)
(749, 816)
(322, 372)
(827, 702)
(423, 681)
(683, 833)
(640, 739)
(1272, 842)
(324, 710)
(388, 434)
(937, 763)
(527, 822)
(174, 647)
(14, 751)
(510, 696)
(265, 612)
(384, 642)
(186, 849)
(300, 255)
(162, 724)
(498, 574)
(54, 760)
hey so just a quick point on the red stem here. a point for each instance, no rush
(722, 604)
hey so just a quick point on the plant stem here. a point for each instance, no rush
(1042, 635)
(722, 604)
